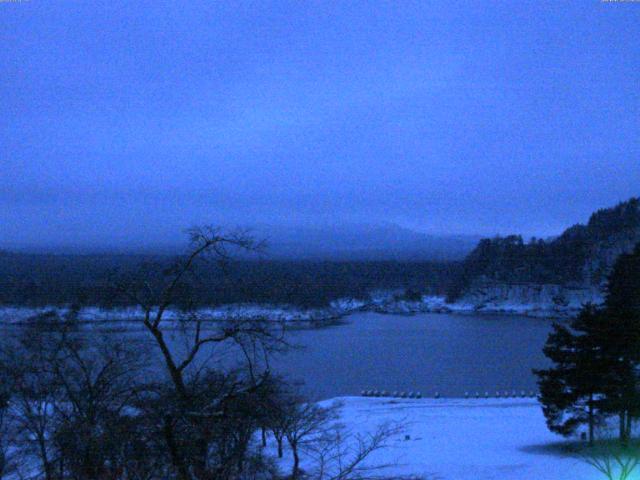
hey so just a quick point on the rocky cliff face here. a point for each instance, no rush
(530, 298)
(603, 254)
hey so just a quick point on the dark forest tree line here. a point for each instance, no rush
(44, 280)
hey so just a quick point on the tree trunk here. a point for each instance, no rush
(199, 458)
(623, 427)
(296, 462)
(591, 420)
(264, 437)
(46, 465)
(174, 372)
(176, 459)
(628, 427)
(280, 452)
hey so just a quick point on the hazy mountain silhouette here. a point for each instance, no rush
(362, 242)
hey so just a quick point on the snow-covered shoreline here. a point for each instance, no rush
(437, 304)
(384, 303)
(128, 317)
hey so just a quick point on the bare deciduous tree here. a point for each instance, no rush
(302, 423)
(85, 407)
(34, 391)
(70, 408)
(195, 421)
(340, 454)
(334, 452)
(98, 382)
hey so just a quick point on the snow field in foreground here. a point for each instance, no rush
(460, 439)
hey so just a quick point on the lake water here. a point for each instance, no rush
(448, 354)
(444, 353)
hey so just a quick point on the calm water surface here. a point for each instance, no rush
(449, 354)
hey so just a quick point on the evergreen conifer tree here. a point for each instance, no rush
(620, 341)
(570, 390)
(596, 359)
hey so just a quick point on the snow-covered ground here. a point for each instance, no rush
(129, 317)
(460, 439)
(382, 302)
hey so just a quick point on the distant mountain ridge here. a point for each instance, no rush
(332, 242)
(362, 242)
(571, 267)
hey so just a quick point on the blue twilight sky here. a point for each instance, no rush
(124, 120)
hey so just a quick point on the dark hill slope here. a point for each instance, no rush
(580, 258)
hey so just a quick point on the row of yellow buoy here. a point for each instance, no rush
(497, 394)
(384, 393)
(504, 394)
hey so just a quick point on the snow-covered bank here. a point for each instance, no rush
(531, 306)
(124, 318)
(380, 302)
(455, 439)
(531, 299)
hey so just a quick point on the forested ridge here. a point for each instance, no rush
(40, 280)
(582, 254)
